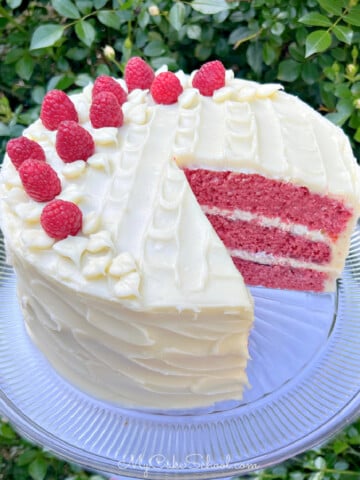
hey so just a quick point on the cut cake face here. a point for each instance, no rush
(277, 181)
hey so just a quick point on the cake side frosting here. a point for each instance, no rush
(153, 360)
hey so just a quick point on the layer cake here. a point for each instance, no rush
(144, 305)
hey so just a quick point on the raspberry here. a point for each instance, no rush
(73, 142)
(61, 218)
(57, 107)
(138, 74)
(104, 83)
(39, 179)
(209, 78)
(105, 111)
(166, 88)
(22, 148)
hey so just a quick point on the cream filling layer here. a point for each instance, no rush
(269, 259)
(337, 247)
(276, 222)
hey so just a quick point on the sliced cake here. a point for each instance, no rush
(130, 209)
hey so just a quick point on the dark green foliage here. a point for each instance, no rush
(310, 46)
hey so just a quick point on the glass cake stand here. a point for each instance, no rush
(305, 377)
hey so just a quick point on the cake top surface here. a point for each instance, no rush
(144, 239)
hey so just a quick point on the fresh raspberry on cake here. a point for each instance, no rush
(105, 111)
(166, 88)
(138, 74)
(209, 78)
(61, 218)
(73, 142)
(39, 179)
(22, 148)
(104, 83)
(56, 108)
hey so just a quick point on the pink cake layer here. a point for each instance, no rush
(271, 198)
(277, 276)
(252, 237)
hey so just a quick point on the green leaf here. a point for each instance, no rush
(240, 35)
(60, 82)
(278, 28)
(85, 6)
(37, 469)
(26, 457)
(222, 48)
(83, 79)
(158, 62)
(343, 91)
(37, 94)
(341, 465)
(332, 6)
(66, 8)
(99, 4)
(339, 53)
(254, 57)
(13, 3)
(85, 32)
(344, 34)
(317, 42)
(202, 52)
(316, 476)
(344, 110)
(269, 54)
(300, 35)
(177, 15)
(315, 19)
(320, 463)
(77, 53)
(154, 48)
(353, 17)
(310, 73)
(4, 130)
(289, 70)
(355, 90)
(13, 55)
(46, 36)
(209, 7)
(357, 135)
(296, 52)
(25, 67)
(5, 430)
(220, 17)
(109, 18)
(102, 69)
(143, 19)
(194, 32)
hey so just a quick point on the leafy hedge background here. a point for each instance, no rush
(310, 46)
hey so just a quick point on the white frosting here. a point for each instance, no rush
(276, 222)
(144, 307)
(337, 248)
